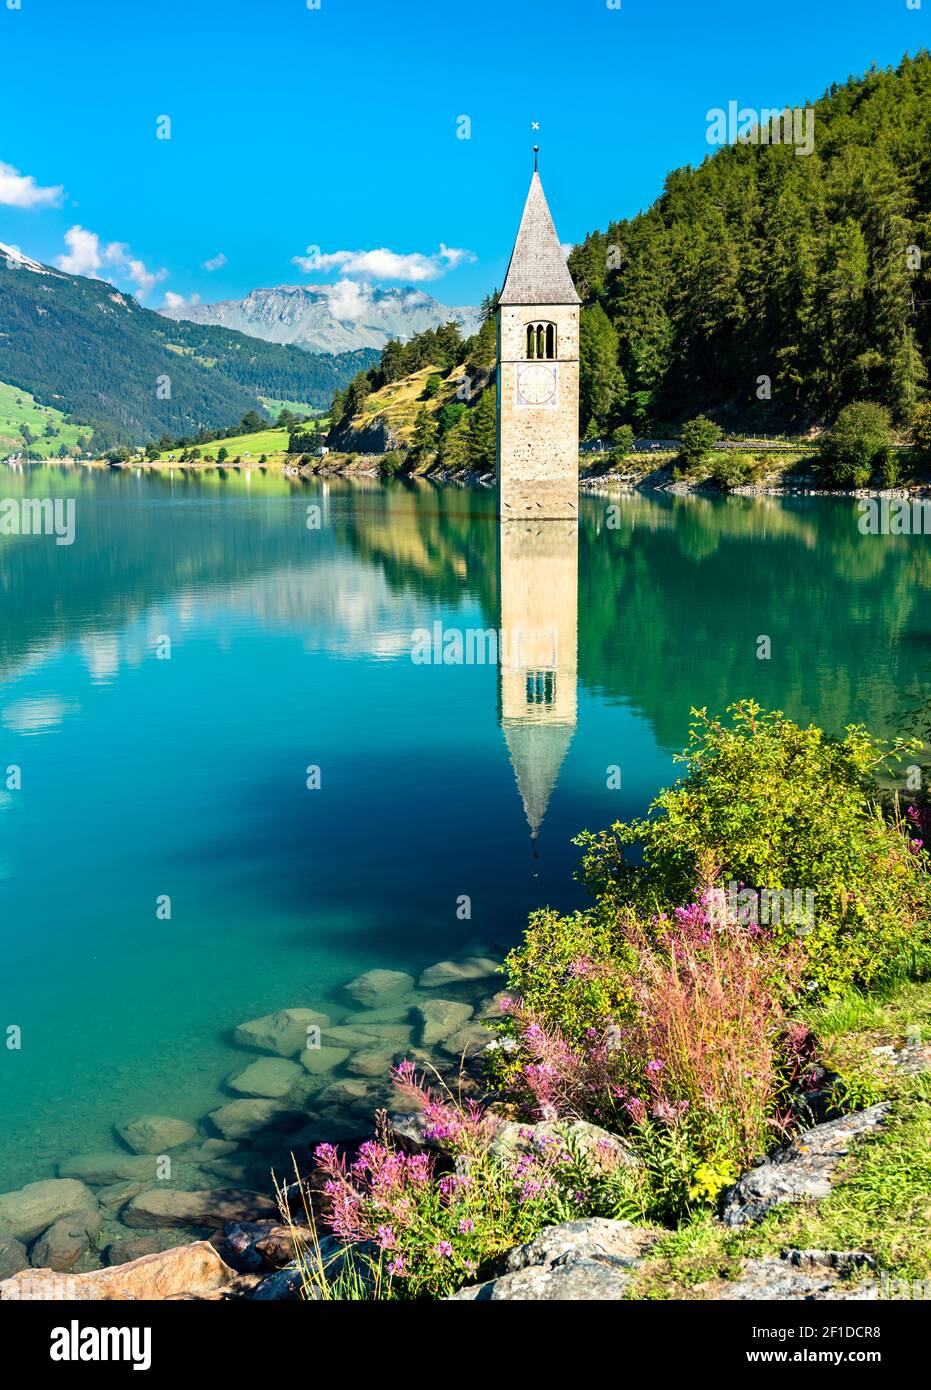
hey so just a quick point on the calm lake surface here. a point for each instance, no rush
(291, 647)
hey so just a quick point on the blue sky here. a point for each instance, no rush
(337, 127)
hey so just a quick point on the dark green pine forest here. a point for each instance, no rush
(764, 263)
(99, 356)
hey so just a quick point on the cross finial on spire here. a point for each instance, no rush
(536, 161)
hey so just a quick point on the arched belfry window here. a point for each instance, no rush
(541, 341)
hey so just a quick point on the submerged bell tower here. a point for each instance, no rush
(538, 372)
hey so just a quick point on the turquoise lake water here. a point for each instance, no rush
(290, 647)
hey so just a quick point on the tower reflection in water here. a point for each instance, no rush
(538, 595)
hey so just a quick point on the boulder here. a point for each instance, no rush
(155, 1134)
(467, 1042)
(211, 1209)
(65, 1241)
(493, 1008)
(586, 1261)
(808, 1275)
(438, 1018)
(373, 1062)
(602, 1149)
(241, 1119)
(283, 1286)
(375, 988)
(186, 1271)
(13, 1256)
(26, 1213)
(318, 1060)
(283, 1033)
(452, 972)
(118, 1194)
(391, 1013)
(269, 1077)
(395, 1034)
(801, 1170)
(121, 1252)
(345, 1035)
(104, 1169)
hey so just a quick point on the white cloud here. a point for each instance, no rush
(87, 257)
(21, 190)
(83, 256)
(177, 302)
(215, 262)
(349, 301)
(382, 264)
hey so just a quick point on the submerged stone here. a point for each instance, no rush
(102, 1169)
(154, 1134)
(439, 1018)
(284, 1033)
(448, 972)
(377, 987)
(241, 1119)
(318, 1060)
(26, 1213)
(211, 1208)
(65, 1241)
(269, 1077)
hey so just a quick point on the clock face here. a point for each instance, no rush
(536, 384)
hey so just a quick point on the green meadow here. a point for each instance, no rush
(17, 409)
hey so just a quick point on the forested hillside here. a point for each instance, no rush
(99, 357)
(813, 271)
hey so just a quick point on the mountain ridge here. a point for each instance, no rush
(329, 318)
(129, 374)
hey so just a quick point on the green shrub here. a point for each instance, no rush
(890, 467)
(857, 444)
(697, 437)
(921, 430)
(622, 440)
(731, 469)
(544, 972)
(392, 463)
(766, 804)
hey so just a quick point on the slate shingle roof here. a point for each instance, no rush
(537, 273)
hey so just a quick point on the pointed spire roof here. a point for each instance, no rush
(537, 752)
(537, 273)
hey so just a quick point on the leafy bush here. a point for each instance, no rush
(921, 430)
(857, 445)
(890, 467)
(622, 440)
(697, 437)
(768, 805)
(573, 971)
(731, 469)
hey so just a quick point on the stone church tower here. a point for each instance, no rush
(538, 372)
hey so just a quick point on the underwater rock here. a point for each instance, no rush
(283, 1033)
(210, 1209)
(269, 1077)
(28, 1212)
(377, 987)
(317, 1060)
(240, 1119)
(448, 972)
(102, 1169)
(65, 1241)
(439, 1018)
(154, 1134)
(373, 1062)
(13, 1256)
